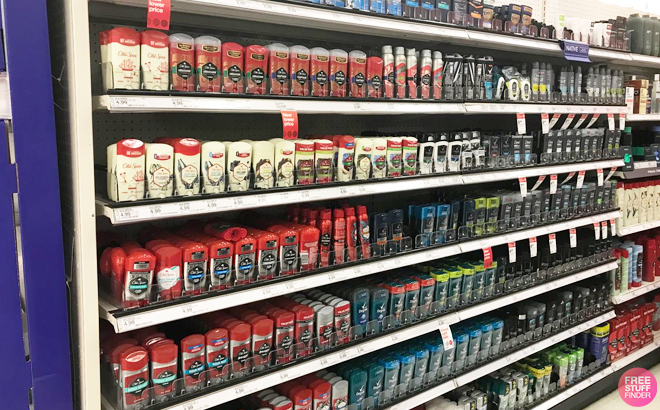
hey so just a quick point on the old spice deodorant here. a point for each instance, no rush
(193, 361)
(278, 69)
(648, 273)
(284, 161)
(324, 225)
(400, 72)
(267, 252)
(182, 55)
(168, 269)
(304, 329)
(240, 343)
(134, 377)
(308, 241)
(160, 170)
(304, 161)
(394, 156)
(374, 77)
(164, 368)
(352, 239)
(339, 394)
(283, 322)
(288, 253)
(338, 72)
(232, 68)
(263, 160)
(363, 152)
(154, 60)
(138, 274)
(186, 160)
(357, 69)
(301, 397)
(363, 231)
(323, 155)
(388, 72)
(342, 319)
(114, 356)
(324, 323)
(126, 163)
(256, 66)
(425, 74)
(217, 354)
(299, 59)
(194, 256)
(244, 258)
(262, 340)
(225, 230)
(438, 66)
(220, 259)
(120, 58)
(346, 158)
(239, 162)
(320, 69)
(213, 166)
(208, 58)
(409, 150)
(379, 158)
(320, 394)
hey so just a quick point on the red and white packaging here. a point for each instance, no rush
(168, 268)
(357, 68)
(266, 253)
(338, 72)
(114, 355)
(220, 257)
(342, 319)
(187, 153)
(217, 354)
(136, 274)
(650, 259)
(363, 230)
(154, 60)
(125, 167)
(245, 251)
(208, 59)
(195, 261)
(164, 368)
(374, 77)
(278, 69)
(304, 162)
(182, 56)
(352, 239)
(320, 395)
(256, 66)
(232, 68)
(225, 230)
(283, 322)
(134, 377)
(304, 328)
(120, 58)
(339, 235)
(615, 351)
(308, 245)
(324, 225)
(288, 253)
(320, 69)
(299, 59)
(193, 361)
(262, 339)
(240, 342)
(324, 323)
(425, 73)
(301, 397)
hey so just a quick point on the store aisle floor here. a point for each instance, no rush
(614, 402)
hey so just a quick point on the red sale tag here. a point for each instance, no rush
(488, 257)
(158, 14)
(552, 242)
(290, 125)
(572, 235)
(512, 252)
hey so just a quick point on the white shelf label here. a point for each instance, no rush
(599, 176)
(523, 186)
(610, 121)
(520, 121)
(567, 121)
(125, 214)
(552, 241)
(572, 233)
(597, 230)
(580, 180)
(603, 229)
(553, 184)
(580, 120)
(545, 123)
(447, 338)
(593, 120)
(512, 252)
(538, 183)
(622, 121)
(532, 247)
(554, 120)
(613, 227)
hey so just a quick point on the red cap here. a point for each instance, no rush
(187, 146)
(262, 327)
(338, 213)
(105, 265)
(361, 210)
(162, 342)
(134, 358)
(130, 148)
(115, 353)
(325, 214)
(313, 214)
(349, 211)
(240, 331)
(153, 38)
(217, 337)
(164, 353)
(193, 344)
(282, 318)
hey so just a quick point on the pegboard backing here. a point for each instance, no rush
(587, 9)
(536, 5)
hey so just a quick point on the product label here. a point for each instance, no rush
(301, 77)
(218, 360)
(221, 269)
(168, 277)
(268, 260)
(195, 272)
(239, 170)
(340, 78)
(164, 379)
(215, 173)
(375, 82)
(138, 284)
(209, 71)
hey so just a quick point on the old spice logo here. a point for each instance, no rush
(156, 56)
(162, 157)
(287, 152)
(131, 165)
(216, 154)
(258, 57)
(234, 53)
(305, 148)
(242, 154)
(302, 56)
(360, 60)
(366, 149)
(322, 58)
(340, 59)
(129, 54)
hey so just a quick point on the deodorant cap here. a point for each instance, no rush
(387, 50)
(426, 53)
(411, 52)
(399, 50)
(437, 54)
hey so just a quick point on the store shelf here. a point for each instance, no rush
(126, 320)
(637, 228)
(573, 390)
(638, 173)
(426, 395)
(634, 356)
(642, 117)
(635, 292)
(123, 213)
(529, 108)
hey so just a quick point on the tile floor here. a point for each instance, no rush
(614, 402)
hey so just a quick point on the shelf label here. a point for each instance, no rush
(488, 257)
(580, 121)
(523, 186)
(580, 180)
(533, 247)
(447, 338)
(597, 230)
(603, 229)
(545, 123)
(613, 227)
(610, 121)
(593, 120)
(567, 121)
(553, 184)
(158, 14)
(572, 234)
(609, 174)
(622, 121)
(575, 51)
(599, 176)
(290, 125)
(552, 241)
(520, 121)
(568, 178)
(512, 252)
(538, 183)
(554, 120)
(125, 214)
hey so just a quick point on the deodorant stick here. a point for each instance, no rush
(320, 69)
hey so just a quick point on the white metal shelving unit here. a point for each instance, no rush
(627, 230)
(636, 292)
(76, 122)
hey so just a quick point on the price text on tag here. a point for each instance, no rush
(447, 338)
(610, 121)
(603, 228)
(290, 125)
(596, 230)
(613, 227)
(580, 180)
(599, 176)
(622, 121)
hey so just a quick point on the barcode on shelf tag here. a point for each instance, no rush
(552, 241)
(554, 120)
(572, 234)
(610, 121)
(622, 121)
(580, 180)
(520, 121)
(613, 227)
(597, 230)
(603, 229)
(580, 120)
(488, 257)
(599, 176)
(447, 338)
(532, 247)
(567, 121)
(553, 184)
(523, 186)
(593, 120)
(512, 252)
(545, 123)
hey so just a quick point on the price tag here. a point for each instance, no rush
(488, 257)
(290, 125)
(447, 338)
(533, 247)
(613, 227)
(596, 231)
(553, 184)
(512, 252)
(158, 14)
(593, 120)
(520, 121)
(603, 229)
(580, 180)
(568, 121)
(538, 183)
(580, 121)
(609, 174)
(622, 121)
(599, 176)
(572, 234)
(125, 214)
(523, 186)
(554, 120)
(610, 121)
(545, 123)
(552, 241)
(568, 178)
